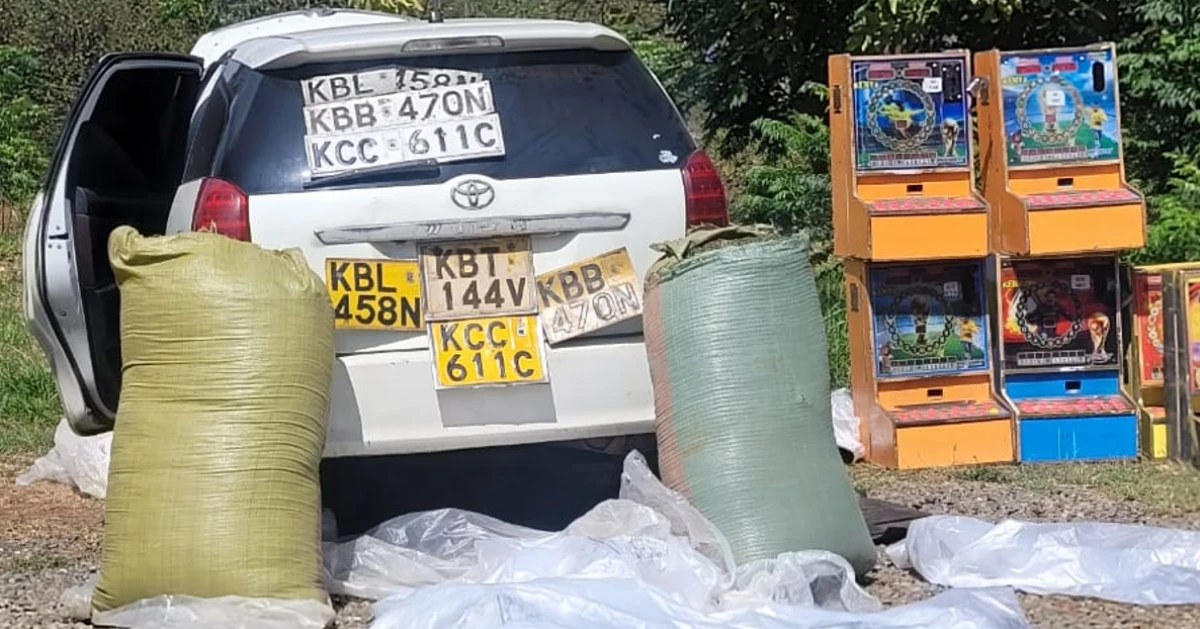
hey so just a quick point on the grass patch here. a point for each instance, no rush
(1163, 487)
(35, 561)
(29, 406)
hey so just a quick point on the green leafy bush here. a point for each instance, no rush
(1174, 231)
(23, 122)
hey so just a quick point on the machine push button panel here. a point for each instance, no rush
(924, 205)
(1081, 198)
(946, 412)
(1073, 406)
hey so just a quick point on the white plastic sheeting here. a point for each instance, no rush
(646, 560)
(80, 462)
(650, 535)
(846, 424)
(573, 603)
(1127, 563)
(187, 612)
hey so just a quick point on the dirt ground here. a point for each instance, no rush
(50, 536)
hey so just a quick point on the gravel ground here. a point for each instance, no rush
(50, 539)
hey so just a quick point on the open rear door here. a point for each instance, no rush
(118, 162)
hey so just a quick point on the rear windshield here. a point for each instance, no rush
(561, 113)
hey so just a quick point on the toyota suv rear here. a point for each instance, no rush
(480, 197)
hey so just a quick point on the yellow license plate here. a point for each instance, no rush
(588, 295)
(374, 294)
(479, 278)
(487, 351)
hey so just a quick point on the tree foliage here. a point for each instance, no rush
(23, 125)
(1174, 231)
(1160, 91)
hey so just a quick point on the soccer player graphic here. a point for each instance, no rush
(1096, 120)
(919, 310)
(967, 329)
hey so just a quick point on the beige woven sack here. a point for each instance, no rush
(213, 486)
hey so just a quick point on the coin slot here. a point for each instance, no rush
(952, 88)
(1066, 182)
(1097, 76)
(916, 188)
(1073, 386)
(933, 394)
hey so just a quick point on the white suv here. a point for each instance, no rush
(489, 150)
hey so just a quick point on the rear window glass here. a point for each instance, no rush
(561, 113)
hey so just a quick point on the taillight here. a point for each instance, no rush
(223, 208)
(704, 192)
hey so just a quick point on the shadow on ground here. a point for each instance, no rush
(542, 486)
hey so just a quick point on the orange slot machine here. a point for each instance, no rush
(914, 233)
(1146, 372)
(1062, 211)
(1181, 362)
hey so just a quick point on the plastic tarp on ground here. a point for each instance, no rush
(738, 359)
(648, 560)
(77, 461)
(1141, 565)
(213, 487)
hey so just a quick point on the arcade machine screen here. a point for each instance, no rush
(1059, 313)
(910, 114)
(928, 319)
(1060, 107)
(1193, 330)
(1149, 308)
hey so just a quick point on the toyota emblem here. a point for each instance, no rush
(472, 194)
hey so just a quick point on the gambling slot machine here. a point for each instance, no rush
(1145, 372)
(1062, 211)
(914, 234)
(1181, 363)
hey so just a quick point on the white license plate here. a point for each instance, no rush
(425, 79)
(437, 104)
(333, 88)
(478, 278)
(588, 295)
(443, 142)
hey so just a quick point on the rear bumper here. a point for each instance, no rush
(385, 403)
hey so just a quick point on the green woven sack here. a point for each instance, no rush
(213, 484)
(737, 351)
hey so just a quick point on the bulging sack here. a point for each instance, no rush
(738, 361)
(213, 485)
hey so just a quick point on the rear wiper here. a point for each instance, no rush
(387, 169)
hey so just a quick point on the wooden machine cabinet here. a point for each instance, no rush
(914, 235)
(901, 147)
(1146, 370)
(1062, 211)
(1181, 363)
(1050, 150)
